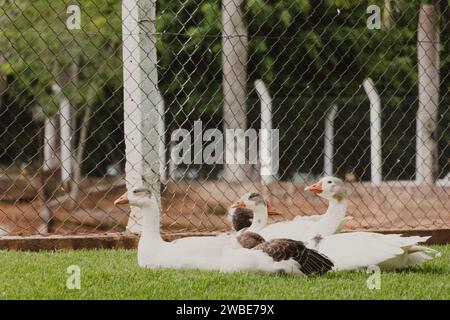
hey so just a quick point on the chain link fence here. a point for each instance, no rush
(92, 94)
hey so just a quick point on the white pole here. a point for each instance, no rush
(50, 144)
(375, 131)
(65, 136)
(329, 140)
(172, 164)
(428, 112)
(141, 99)
(267, 167)
(234, 73)
(162, 140)
(66, 140)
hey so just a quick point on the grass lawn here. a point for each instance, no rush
(114, 274)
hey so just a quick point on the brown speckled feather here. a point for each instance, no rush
(249, 240)
(311, 262)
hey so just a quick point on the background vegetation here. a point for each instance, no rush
(310, 53)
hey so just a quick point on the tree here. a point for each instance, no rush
(8, 12)
(79, 62)
(388, 19)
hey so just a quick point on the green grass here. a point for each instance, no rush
(114, 274)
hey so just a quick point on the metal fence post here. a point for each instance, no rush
(329, 141)
(265, 144)
(65, 135)
(162, 139)
(141, 99)
(427, 114)
(375, 131)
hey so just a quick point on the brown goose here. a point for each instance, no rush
(241, 217)
(250, 252)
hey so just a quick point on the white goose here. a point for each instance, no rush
(356, 250)
(304, 228)
(153, 252)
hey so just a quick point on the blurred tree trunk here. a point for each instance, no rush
(234, 62)
(79, 157)
(388, 18)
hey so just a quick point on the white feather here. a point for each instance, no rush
(356, 250)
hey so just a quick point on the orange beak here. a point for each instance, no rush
(273, 211)
(239, 204)
(316, 187)
(123, 199)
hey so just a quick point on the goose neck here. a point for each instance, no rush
(336, 211)
(260, 218)
(337, 206)
(151, 223)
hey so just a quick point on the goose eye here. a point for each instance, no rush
(330, 182)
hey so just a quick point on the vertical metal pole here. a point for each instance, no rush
(329, 141)
(141, 99)
(162, 140)
(375, 131)
(266, 157)
(65, 136)
(234, 71)
(50, 143)
(427, 114)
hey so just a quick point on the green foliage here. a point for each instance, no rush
(43, 46)
(310, 53)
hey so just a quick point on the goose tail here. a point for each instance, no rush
(315, 263)
(419, 254)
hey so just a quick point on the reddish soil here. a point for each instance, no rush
(201, 207)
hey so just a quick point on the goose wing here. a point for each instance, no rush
(310, 261)
(355, 250)
(249, 240)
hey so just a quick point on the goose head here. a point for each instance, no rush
(253, 201)
(138, 197)
(240, 218)
(259, 206)
(330, 188)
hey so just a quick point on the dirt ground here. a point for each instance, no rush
(201, 207)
